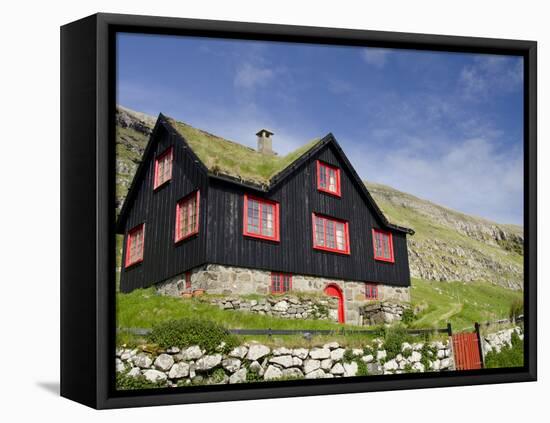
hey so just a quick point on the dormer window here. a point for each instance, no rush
(163, 168)
(383, 245)
(328, 178)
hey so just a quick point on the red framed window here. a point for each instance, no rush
(280, 283)
(163, 167)
(328, 178)
(187, 216)
(261, 218)
(330, 234)
(383, 245)
(134, 245)
(187, 280)
(371, 291)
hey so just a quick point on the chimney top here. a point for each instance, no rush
(264, 142)
(263, 132)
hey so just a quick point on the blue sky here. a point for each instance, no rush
(447, 127)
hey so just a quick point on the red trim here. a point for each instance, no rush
(332, 219)
(325, 167)
(371, 291)
(334, 290)
(131, 232)
(261, 201)
(281, 289)
(390, 240)
(169, 151)
(185, 199)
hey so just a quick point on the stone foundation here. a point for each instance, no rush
(228, 280)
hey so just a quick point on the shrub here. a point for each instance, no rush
(508, 356)
(125, 382)
(394, 337)
(362, 368)
(408, 316)
(348, 356)
(186, 332)
(516, 308)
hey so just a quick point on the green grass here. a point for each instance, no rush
(460, 303)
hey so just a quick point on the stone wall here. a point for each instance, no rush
(497, 340)
(228, 280)
(256, 362)
(382, 312)
(282, 306)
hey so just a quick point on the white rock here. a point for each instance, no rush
(337, 354)
(142, 360)
(406, 346)
(316, 374)
(173, 350)
(257, 351)
(301, 353)
(135, 372)
(399, 358)
(282, 351)
(445, 363)
(332, 345)
(192, 353)
(179, 370)
(281, 306)
(155, 376)
(417, 346)
(419, 367)
(272, 373)
(208, 362)
(238, 352)
(293, 373)
(164, 362)
(283, 360)
(329, 376)
(326, 364)
(391, 365)
(319, 353)
(296, 362)
(367, 358)
(238, 377)
(256, 368)
(440, 353)
(120, 366)
(311, 365)
(415, 357)
(231, 364)
(381, 354)
(337, 369)
(350, 369)
(436, 364)
(356, 352)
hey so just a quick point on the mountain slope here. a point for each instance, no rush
(447, 246)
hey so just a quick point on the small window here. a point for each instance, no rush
(330, 234)
(187, 281)
(280, 283)
(261, 218)
(187, 216)
(134, 245)
(371, 291)
(163, 168)
(383, 245)
(328, 178)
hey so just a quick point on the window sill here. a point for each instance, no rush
(330, 250)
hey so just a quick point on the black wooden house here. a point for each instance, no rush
(198, 200)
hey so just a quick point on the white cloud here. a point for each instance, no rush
(375, 56)
(250, 76)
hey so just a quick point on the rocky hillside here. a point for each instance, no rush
(447, 246)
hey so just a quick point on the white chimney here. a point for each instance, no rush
(264, 141)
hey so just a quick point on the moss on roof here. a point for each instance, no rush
(236, 160)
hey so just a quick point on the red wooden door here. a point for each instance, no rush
(335, 291)
(466, 351)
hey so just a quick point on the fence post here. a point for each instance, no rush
(479, 346)
(269, 332)
(449, 329)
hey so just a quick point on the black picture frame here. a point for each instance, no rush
(87, 211)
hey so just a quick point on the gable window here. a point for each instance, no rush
(383, 245)
(134, 245)
(187, 216)
(280, 283)
(371, 291)
(261, 218)
(330, 234)
(163, 168)
(328, 178)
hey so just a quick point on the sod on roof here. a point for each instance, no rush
(229, 158)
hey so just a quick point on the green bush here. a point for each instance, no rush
(125, 382)
(186, 332)
(408, 316)
(393, 339)
(508, 356)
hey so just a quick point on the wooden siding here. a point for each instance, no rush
(298, 197)
(163, 258)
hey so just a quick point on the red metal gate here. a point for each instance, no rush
(467, 351)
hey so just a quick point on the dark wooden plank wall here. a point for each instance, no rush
(298, 197)
(157, 209)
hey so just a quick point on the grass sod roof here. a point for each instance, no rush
(229, 158)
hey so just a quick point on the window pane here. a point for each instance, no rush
(331, 180)
(331, 241)
(253, 217)
(340, 236)
(386, 245)
(322, 176)
(267, 219)
(319, 232)
(286, 283)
